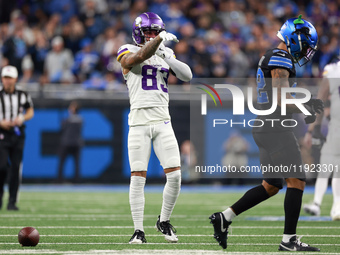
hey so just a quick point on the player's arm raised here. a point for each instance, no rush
(181, 70)
(129, 60)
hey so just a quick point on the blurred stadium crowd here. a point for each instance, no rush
(76, 41)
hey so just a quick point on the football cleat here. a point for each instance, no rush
(295, 244)
(167, 230)
(335, 212)
(138, 237)
(12, 207)
(221, 226)
(312, 209)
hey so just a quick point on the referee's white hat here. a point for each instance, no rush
(9, 71)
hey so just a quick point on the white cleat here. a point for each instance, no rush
(138, 237)
(167, 230)
(312, 209)
(172, 238)
(335, 212)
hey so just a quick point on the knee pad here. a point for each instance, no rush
(172, 162)
(138, 166)
(174, 177)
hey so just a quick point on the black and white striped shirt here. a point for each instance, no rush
(11, 105)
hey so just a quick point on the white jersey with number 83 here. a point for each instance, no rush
(148, 89)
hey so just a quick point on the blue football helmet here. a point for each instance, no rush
(301, 39)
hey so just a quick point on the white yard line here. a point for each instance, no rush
(178, 235)
(124, 217)
(99, 215)
(208, 244)
(140, 252)
(131, 227)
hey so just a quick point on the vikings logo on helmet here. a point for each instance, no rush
(146, 21)
(301, 39)
(138, 21)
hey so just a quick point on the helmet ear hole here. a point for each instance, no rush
(293, 41)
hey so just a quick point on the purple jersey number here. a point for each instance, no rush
(151, 75)
(165, 73)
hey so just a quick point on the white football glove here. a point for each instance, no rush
(164, 52)
(168, 36)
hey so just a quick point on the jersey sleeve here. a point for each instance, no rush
(126, 48)
(170, 51)
(28, 101)
(327, 71)
(280, 59)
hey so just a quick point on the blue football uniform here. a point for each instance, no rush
(275, 58)
(277, 144)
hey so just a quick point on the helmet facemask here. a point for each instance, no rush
(306, 52)
(146, 31)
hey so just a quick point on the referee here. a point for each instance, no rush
(15, 108)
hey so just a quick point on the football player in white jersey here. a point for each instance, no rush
(146, 67)
(330, 152)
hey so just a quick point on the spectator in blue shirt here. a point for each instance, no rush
(94, 21)
(15, 49)
(86, 61)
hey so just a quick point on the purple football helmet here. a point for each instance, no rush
(146, 21)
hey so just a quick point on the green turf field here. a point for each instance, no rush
(100, 223)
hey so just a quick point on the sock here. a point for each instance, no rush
(229, 215)
(137, 201)
(251, 198)
(320, 189)
(286, 238)
(336, 189)
(292, 206)
(170, 194)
